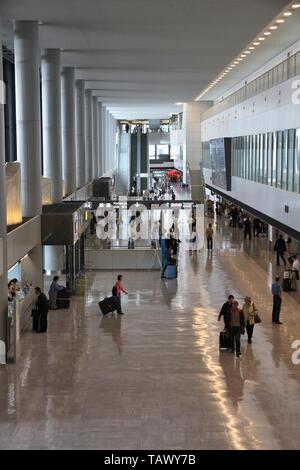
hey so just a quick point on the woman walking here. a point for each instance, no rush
(249, 312)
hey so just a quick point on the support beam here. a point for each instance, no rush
(80, 134)
(68, 128)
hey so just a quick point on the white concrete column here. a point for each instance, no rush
(104, 138)
(88, 136)
(51, 109)
(192, 148)
(3, 254)
(28, 118)
(100, 138)
(68, 128)
(95, 138)
(80, 134)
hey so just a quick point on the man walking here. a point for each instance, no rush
(247, 229)
(209, 236)
(119, 289)
(226, 312)
(276, 292)
(280, 248)
(42, 308)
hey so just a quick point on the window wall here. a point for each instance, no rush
(272, 159)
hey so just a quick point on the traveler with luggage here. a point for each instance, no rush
(42, 310)
(118, 290)
(280, 248)
(209, 237)
(276, 292)
(249, 311)
(53, 291)
(237, 327)
(226, 311)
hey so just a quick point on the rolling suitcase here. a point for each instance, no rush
(63, 299)
(171, 271)
(108, 305)
(287, 281)
(224, 341)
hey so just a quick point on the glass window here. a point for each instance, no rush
(292, 66)
(258, 159)
(297, 162)
(152, 154)
(163, 150)
(298, 63)
(254, 158)
(279, 159)
(248, 158)
(284, 183)
(269, 145)
(291, 159)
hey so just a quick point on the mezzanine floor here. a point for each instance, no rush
(154, 378)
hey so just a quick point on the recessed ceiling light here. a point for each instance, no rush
(296, 5)
(281, 20)
(252, 48)
(247, 52)
(256, 43)
(287, 13)
(261, 39)
(240, 59)
(243, 55)
(267, 33)
(273, 27)
(179, 104)
(236, 62)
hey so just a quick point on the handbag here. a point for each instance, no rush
(242, 330)
(257, 318)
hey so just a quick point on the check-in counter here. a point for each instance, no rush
(122, 258)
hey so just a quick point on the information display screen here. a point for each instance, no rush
(220, 150)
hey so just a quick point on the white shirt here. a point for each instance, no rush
(296, 265)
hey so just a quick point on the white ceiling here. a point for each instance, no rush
(143, 56)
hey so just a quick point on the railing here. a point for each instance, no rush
(287, 69)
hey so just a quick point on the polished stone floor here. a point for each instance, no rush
(154, 378)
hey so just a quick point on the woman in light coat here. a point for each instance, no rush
(249, 312)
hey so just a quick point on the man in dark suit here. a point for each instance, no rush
(42, 308)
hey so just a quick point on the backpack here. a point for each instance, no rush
(114, 291)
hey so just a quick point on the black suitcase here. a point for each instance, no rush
(35, 320)
(224, 341)
(108, 305)
(63, 299)
(287, 285)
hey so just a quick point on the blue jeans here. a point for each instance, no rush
(235, 338)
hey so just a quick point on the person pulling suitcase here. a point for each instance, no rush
(118, 289)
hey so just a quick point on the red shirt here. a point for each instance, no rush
(119, 287)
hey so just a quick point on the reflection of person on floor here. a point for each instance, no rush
(112, 326)
(233, 377)
(169, 291)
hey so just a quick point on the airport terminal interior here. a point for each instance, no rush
(149, 225)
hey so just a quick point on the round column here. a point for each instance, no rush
(3, 256)
(80, 133)
(88, 137)
(95, 138)
(68, 128)
(51, 107)
(28, 119)
(100, 153)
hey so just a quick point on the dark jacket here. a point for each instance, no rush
(42, 304)
(280, 245)
(226, 313)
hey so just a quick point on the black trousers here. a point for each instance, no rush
(249, 329)
(276, 308)
(247, 232)
(280, 255)
(210, 243)
(119, 308)
(44, 322)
